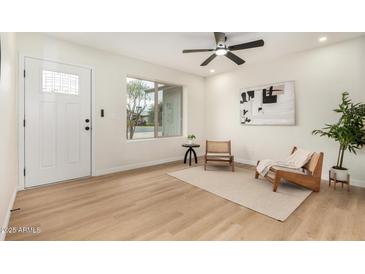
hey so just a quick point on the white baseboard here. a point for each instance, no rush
(21, 188)
(137, 165)
(8, 214)
(245, 161)
(356, 182)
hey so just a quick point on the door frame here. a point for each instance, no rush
(21, 113)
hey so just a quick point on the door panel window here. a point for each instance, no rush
(60, 82)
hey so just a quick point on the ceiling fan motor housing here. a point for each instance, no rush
(222, 49)
(222, 44)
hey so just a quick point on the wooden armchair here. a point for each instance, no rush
(310, 178)
(218, 151)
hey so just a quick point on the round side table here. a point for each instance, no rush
(190, 151)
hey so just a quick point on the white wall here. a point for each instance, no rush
(320, 76)
(112, 151)
(212, 106)
(8, 133)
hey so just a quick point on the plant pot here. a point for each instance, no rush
(190, 142)
(341, 174)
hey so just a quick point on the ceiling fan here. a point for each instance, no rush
(223, 49)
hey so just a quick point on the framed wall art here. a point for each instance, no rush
(272, 104)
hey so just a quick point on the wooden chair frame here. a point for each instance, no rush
(218, 158)
(311, 180)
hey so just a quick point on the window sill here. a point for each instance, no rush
(155, 139)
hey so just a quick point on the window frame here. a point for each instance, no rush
(156, 83)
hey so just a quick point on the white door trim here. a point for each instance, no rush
(21, 113)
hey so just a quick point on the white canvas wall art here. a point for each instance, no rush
(272, 104)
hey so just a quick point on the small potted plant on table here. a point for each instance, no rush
(191, 138)
(349, 132)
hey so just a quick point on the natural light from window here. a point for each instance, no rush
(153, 109)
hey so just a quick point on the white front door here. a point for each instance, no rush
(57, 122)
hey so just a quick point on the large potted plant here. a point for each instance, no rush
(349, 132)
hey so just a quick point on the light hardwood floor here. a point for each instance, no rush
(147, 204)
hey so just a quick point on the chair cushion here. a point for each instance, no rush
(209, 154)
(293, 170)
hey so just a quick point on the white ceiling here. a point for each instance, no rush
(165, 48)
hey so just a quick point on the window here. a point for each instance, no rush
(153, 109)
(59, 82)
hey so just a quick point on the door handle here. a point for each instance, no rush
(87, 128)
(87, 120)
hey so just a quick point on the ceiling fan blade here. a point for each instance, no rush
(253, 44)
(196, 50)
(220, 37)
(234, 58)
(210, 58)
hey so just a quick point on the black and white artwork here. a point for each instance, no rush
(272, 104)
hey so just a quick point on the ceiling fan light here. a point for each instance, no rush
(221, 52)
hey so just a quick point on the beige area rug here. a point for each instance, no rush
(242, 188)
